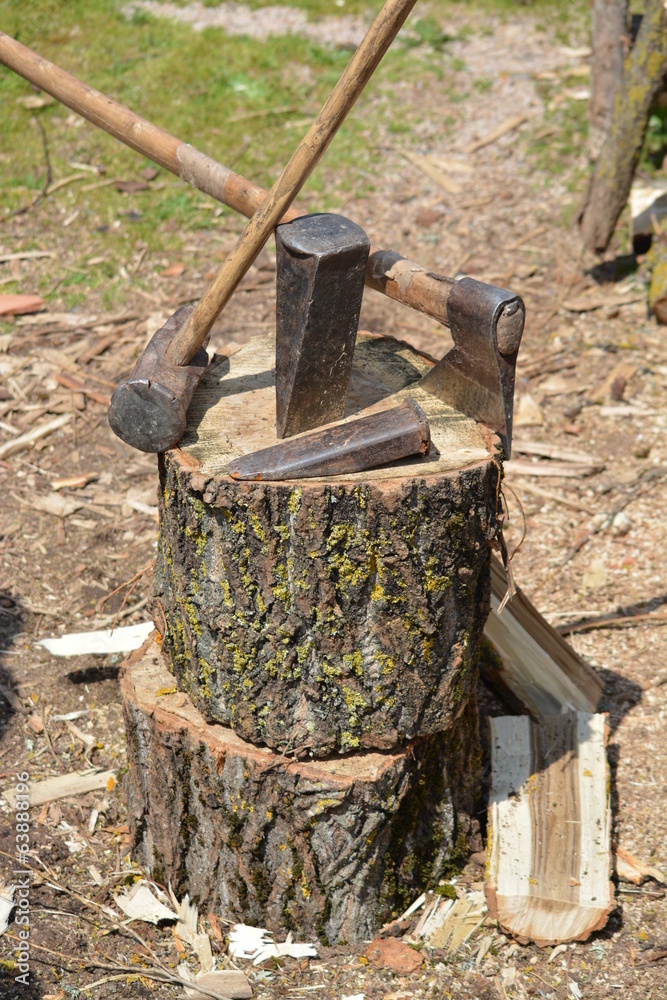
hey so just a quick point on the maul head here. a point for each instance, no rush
(149, 408)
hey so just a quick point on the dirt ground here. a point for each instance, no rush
(594, 545)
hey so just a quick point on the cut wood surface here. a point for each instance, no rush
(331, 847)
(324, 614)
(233, 411)
(534, 663)
(549, 854)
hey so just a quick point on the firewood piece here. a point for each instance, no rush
(549, 861)
(533, 662)
(328, 847)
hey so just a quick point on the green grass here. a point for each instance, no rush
(225, 95)
(206, 88)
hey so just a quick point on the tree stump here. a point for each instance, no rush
(318, 766)
(327, 848)
(332, 614)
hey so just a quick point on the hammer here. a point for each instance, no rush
(148, 410)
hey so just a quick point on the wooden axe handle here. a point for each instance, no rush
(359, 70)
(413, 286)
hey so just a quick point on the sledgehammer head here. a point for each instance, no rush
(148, 410)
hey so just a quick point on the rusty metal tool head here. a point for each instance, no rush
(477, 375)
(321, 262)
(147, 412)
(365, 443)
(189, 339)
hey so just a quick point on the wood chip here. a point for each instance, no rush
(630, 869)
(566, 470)
(58, 506)
(28, 440)
(527, 413)
(140, 903)
(550, 822)
(173, 271)
(64, 786)
(461, 921)
(547, 450)
(130, 187)
(36, 722)
(388, 953)
(70, 321)
(599, 300)
(34, 101)
(559, 498)
(5, 258)
(602, 392)
(119, 640)
(496, 133)
(227, 982)
(73, 383)
(12, 698)
(74, 482)
(18, 305)
(435, 173)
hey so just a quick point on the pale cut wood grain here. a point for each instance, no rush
(233, 411)
(549, 864)
(535, 663)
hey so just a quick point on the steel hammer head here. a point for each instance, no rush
(148, 410)
(477, 375)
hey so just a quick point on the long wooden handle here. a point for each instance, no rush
(342, 98)
(405, 282)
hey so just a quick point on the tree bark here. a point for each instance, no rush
(612, 177)
(325, 615)
(609, 40)
(328, 848)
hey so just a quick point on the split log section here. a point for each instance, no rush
(318, 766)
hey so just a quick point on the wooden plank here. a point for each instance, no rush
(549, 856)
(534, 662)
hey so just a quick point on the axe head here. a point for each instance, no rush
(148, 409)
(477, 375)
